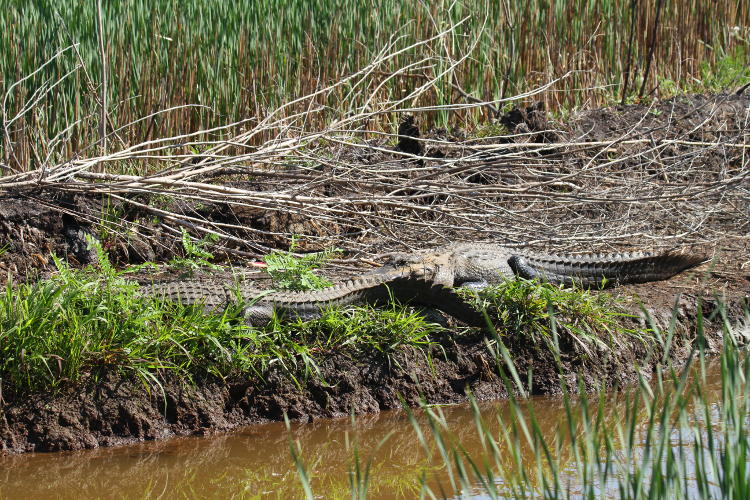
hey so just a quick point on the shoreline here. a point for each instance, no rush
(118, 409)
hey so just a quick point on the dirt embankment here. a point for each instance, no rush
(116, 409)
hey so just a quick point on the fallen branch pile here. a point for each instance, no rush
(679, 174)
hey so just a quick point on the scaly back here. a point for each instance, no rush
(591, 270)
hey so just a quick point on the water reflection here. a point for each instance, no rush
(256, 462)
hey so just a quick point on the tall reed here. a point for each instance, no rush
(671, 440)
(244, 57)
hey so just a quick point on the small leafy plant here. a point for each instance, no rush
(196, 255)
(297, 273)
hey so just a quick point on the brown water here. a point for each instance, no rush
(256, 462)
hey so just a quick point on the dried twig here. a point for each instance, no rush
(347, 186)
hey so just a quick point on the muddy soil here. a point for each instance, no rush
(115, 409)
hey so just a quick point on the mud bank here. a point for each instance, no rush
(117, 409)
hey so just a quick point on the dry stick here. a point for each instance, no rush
(585, 144)
(115, 130)
(278, 199)
(382, 59)
(392, 106)
(525, 188)
(29, 104)
(66, 173)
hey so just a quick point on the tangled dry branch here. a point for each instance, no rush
(677, 173)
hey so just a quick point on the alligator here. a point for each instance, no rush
(413, 285)
(429, 278)
(477, 265)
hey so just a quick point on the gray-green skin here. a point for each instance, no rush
(427, 278)
(477, 265)
(407, 285)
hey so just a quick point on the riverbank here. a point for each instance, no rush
(115, 408)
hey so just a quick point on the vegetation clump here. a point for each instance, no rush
(290, 272)
(542, 312)
(79, 322)
(196, 253)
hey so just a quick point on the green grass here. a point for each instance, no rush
(80, 322)
(670, 441)
(240, 59)
(544, 315)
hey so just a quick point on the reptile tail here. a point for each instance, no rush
(413, 290)
(590, 271)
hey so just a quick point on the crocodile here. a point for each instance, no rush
(413, 285)
(477, 265)
(429, 278)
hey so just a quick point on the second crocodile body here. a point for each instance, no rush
(411, 285)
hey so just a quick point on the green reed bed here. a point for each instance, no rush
(240, 59)
(664, 438)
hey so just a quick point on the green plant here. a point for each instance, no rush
(534, 310)
(196, 255)
(491, 130)
(729, 71)
(290, 272)
(80, 323)
(667, 88)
